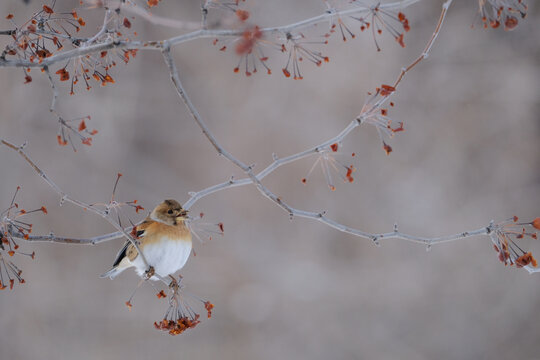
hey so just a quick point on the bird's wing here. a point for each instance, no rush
(128, 249)
(121, 254)
(139, 230)
(119, 263)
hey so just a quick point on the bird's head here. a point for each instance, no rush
(169, 212)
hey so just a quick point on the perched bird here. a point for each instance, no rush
(164, 240)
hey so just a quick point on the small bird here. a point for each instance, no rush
(164, 240)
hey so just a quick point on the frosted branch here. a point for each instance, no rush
(194, 35)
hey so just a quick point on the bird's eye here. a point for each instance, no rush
(169, 212)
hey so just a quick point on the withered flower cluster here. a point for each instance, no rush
(299, 45)
(13, 227)
(180, 316)
(49, 31)
(496, 12)
(177, 326)
(505, 236)
(331, 159)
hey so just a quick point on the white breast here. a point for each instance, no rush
(166, 257)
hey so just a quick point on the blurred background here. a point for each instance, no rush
(288, 289)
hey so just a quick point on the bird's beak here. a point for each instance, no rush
(183, 213)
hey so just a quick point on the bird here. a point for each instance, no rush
(163, 238)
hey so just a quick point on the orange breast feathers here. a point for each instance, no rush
(154, 231)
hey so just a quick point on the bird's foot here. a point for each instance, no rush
(149, 273)
(173, 285)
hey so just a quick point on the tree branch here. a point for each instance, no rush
(338, 138)
(331, 13)
(65, 240)
(52, 108)
(256, 179)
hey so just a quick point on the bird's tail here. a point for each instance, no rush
(114, 272)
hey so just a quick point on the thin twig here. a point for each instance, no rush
(54, 90)
(102, 30)
(248, 170)
(429, 45)
(66, 240)
(332, 13)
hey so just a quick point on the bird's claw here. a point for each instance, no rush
(149, 272)
(173, 285)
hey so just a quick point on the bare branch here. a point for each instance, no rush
(256, 179)
(65, 240)
(273, 166)
(338, 138)
(54, 89)
(206, 131)
(102, 30)
(427, 49)
(332, 13)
